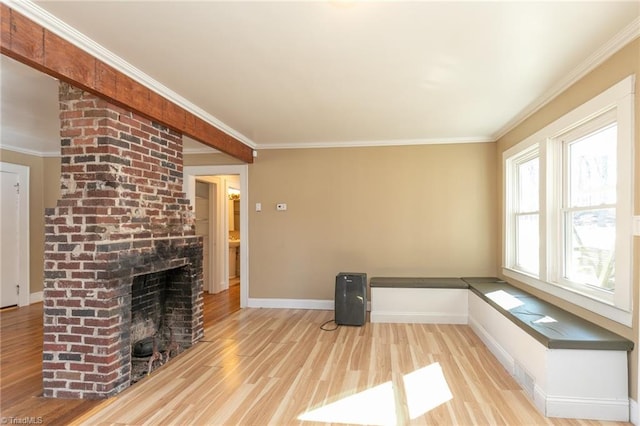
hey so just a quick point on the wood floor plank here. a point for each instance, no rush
(21, 339)
(297, 370)
(270, 366)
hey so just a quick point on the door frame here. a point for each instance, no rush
(23, 230)
(189, 181)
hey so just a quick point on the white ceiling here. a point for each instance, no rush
(334, 73)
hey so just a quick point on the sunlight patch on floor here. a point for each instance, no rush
(375, 406)
(425, 389)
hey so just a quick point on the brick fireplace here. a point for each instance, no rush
(122, 219)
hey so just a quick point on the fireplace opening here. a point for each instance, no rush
(159, 302)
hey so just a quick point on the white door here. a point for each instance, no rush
(9, 239)
(202, 228)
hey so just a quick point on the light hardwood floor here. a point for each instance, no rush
(21, 362)
(270, 366)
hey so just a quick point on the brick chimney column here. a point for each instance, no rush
(122, 204)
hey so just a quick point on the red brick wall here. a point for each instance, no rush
(122, 213)
(121, 168)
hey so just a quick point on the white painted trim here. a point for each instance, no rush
(391, 142)
(73, 36)
(36, 297)
(430, 305)
(586, 302)
(189, 181)
(636, 226)
(204, 150)
(216, 241)
(21, 150)
(315, 304)
(634, 412)
(23, 173)
(539, 398)
(588, 408)
(624, 37)
(494, 347)
(417, 318)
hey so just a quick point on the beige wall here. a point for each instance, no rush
(44, 190)
(619, 66)
(407, 211)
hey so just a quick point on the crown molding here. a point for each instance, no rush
(60, 28)
(32, 152)
(200, 151)
(621, 39)
(45, 154)
(361, 144)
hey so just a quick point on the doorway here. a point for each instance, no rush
(14, 234)
(220, 177)
(205, 217)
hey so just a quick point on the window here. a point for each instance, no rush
(588, 211)
(568, 206)
(525, 210)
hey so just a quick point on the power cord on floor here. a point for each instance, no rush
(322, 327)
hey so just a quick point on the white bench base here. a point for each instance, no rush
(419, 305)
(569, 383)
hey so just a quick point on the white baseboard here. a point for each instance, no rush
(36, 297)
(316, 304)
(587, 408)
(498, 351)
(418, 318)
(324, 305)
(634, 412)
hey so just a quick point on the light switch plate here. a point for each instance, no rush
(636, 225)
(258, 207)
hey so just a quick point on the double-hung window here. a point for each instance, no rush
(524, 220)
(568, 206)
(588, 207)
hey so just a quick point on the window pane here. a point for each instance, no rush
(592, 169)
(527, 240)
(528, 184)
(590, 241)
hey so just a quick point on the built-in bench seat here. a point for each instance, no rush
(570, 367)
(550, 325)
(404, 300)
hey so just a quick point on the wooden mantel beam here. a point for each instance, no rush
(35, 46)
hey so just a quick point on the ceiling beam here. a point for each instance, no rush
(35, 46)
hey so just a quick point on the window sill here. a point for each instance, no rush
(596, 306)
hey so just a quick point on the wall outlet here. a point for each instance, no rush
(258, 207)
(281, 207)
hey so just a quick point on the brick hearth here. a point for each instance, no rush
(122, 214)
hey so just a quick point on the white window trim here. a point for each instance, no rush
(512, 196)
(557, 221)
(621, 98)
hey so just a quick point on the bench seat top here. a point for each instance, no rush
(552, 326)
(417, 282)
